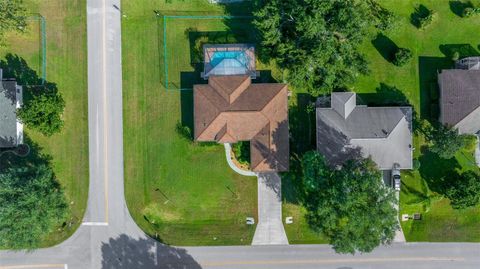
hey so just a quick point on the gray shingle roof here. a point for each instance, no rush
(384, 133)
(460, 95)
(8, 118)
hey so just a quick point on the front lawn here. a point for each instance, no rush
(66, 152)
(181, 192)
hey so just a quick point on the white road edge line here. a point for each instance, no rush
(95, 223)
(105, 110)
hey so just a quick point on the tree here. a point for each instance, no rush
(384, 19)
(315, 40)
(464, 191)
(12, 17)
(446, 141)
(32, 204)
(422, 16)
(351, 206)
(43, 112)
(402, 56)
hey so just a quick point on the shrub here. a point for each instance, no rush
(402, 56)
(183, 131)
(470, 11)
(422, 17)
(470, 142)
(384, 19)
(416, 164)
(464, 190)
(455, 56)
(242, 152)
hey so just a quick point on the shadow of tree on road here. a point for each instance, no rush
(129, 253)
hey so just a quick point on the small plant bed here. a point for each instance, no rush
(241, 154)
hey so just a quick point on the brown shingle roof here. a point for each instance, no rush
(230, 109)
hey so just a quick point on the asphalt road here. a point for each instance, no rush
(110, 239)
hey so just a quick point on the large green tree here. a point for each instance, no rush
(446, 141)
(12, 17)
(315, 40)
(464, 190)
(351, 205)
(31, 205)
(43, 111)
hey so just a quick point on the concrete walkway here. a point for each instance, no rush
(270, 229)
(399, 236)
(228, 156)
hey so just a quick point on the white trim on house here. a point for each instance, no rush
(19, 97)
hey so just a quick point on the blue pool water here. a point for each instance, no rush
(234, 58)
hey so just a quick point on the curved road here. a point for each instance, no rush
(109, 238)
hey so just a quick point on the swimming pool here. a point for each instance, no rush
(230, 59)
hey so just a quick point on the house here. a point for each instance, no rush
(11, 129)
(460, 96)
(346, 131)
(230, 108)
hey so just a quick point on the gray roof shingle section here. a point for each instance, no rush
(384, 133)
(469, 63)
(8, 117)
(460, 94)
(363, 122)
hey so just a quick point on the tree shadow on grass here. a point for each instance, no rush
(438, 172)
(385, 46)
(457, 7)
(464, 50)
(302, 126)
(129, 253)
(385, 95)
(16, 67)
(429, 67)
(186, 111)
(34, 158)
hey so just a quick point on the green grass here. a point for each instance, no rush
(420, 194)
(67, 67)
(431, 48)
(181, 192)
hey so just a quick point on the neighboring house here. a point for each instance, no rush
(346, 131)
(230, 108)
(460, 96)
(11, 129)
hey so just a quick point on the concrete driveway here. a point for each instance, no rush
(270, 230)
